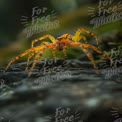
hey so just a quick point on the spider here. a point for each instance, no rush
(60, 43)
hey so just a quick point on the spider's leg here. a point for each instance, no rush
(43, 37)
(80, 37)
(64, 51)
(35, 62)
(79, 31)
(87, 46)
(30, 56)
(84, 38)
(38, 57)
(96, 50)
(18, 57)
(34, 52)
(66, 36)
(90, 56)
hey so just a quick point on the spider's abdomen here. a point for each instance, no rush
(60, 46)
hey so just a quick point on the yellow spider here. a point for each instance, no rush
(61, 43)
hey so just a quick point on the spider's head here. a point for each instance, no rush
(63, 40)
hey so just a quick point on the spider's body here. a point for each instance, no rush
(61, 43)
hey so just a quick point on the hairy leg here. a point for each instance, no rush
(30, 56)
(84, 47)
(44, 37)
(64, 51)
(90, 56)
(18, 57)
(39, 55)
(84, 38)
(96, 50)
(66, 36)
(35, 62)
(79, 31)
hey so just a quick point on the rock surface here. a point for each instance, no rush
(73, 92)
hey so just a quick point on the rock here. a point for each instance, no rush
(73, 91)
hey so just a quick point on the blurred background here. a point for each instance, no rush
(23, 21)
